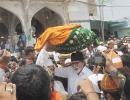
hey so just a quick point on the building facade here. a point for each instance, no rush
(116, 15)
(34, 16)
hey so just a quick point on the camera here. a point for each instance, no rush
(97, 59)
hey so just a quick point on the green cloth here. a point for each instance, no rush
(79, 39)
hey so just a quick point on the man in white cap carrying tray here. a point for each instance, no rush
(75, 73)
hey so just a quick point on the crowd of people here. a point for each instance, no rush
(14, 43)
(94, 73)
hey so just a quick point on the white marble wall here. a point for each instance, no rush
(79, 13)
(70, 12)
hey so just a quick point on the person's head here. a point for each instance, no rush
(126, 60)
(4, 58)
(110, 44)
(124, 49)
(127, 88)
(112, 96)
(14, 63)
(32, 83)
(97, 69)
(126, 71)
(13, 59)
(77, 61)
(30, 52)
(78, 96)
(119, 44)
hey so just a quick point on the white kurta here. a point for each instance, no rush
(73, 77)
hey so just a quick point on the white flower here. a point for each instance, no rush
(77, 32)
(75, 37)
(71, 41)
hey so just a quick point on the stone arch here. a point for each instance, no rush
(46, 18)
(19, 29)
(3, 30)
(13, 13)
(55, 9)
(10, 19)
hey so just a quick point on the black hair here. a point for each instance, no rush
(32, 83)
(78, 96)
(28, 50)
(127, 88)
(126, 60)
(115, 95)
(126, 71)
(119, 44)
(13, 58)
(124, 49)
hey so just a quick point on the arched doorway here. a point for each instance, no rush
(8, 23)
(3, 31)
(43, 19)
(19, 29)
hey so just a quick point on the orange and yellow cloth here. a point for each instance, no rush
(56, 96)
(55, 35)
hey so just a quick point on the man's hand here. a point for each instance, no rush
(7, 91)
(86, 86)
